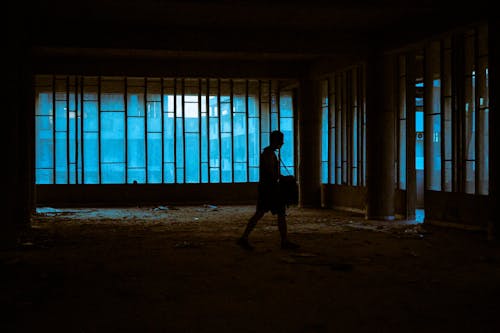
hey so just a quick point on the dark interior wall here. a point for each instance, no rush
(145, 194)
(344, 197)
(17, 127)
(467, 210)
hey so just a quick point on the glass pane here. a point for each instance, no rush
(154, 117)
(240, 172)
(136, 175)
(227, 160)
(286, 151)
(90, 117)
(136, 143)
(61, 158)
(470, 179)
(169, 173)
(135, 102)
(113, 137)
(240, 137)
(154, 158)
(113, 173)
(91, 158)
(193, 158)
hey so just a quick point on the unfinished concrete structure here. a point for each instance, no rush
(369, 132)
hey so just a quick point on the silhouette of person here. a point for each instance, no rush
(268, 196)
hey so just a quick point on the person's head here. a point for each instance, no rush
(276, 139)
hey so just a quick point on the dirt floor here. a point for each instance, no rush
(178, 269)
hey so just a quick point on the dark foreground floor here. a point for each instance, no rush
(162, 269)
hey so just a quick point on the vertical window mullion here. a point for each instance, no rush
(482, 104)
(329, 131)
(125, 101)
(175, 130)
(260, 115)
(54, 122)
(469, 127)
(247, 134)
(270, 103)
(99, 127)
(220, 128)
(200, 159)
(278, 102)
(231, 121)
(477, 132)
(76, 131)
(332, 130)
(455, 115)
(82, 129)
(349, 111)
(345, 133)
(363, 126)
(162, 119)
(443, 114)
(183, 108)
(338, 97)
(207, 103)
(146, 129)
(68, 161)
(358, 127)
(278, 106)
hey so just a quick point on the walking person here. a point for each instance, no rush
(269, 198)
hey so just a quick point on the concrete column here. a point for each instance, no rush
(493, 78)
(411, 172)
(309, 134)
(380, 137)
(17, 133)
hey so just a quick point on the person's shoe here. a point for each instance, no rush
(244, 244)
(287, 245)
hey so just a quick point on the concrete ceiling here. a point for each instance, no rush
(239, 27)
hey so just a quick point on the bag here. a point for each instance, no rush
(289, 190)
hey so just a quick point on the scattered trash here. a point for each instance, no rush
(207, 207)
(211, 207)
(161, 208)
(289, 260)
(187, 244)
(365, 260)
(183, 244)
(414, 254)
(47, 211)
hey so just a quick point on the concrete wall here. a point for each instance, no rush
(457, 209)
(351, 198)
(151, 194)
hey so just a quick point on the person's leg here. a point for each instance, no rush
(282, 227)
(252, 222)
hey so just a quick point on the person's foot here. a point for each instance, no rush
(244, 244)
(287, 245)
